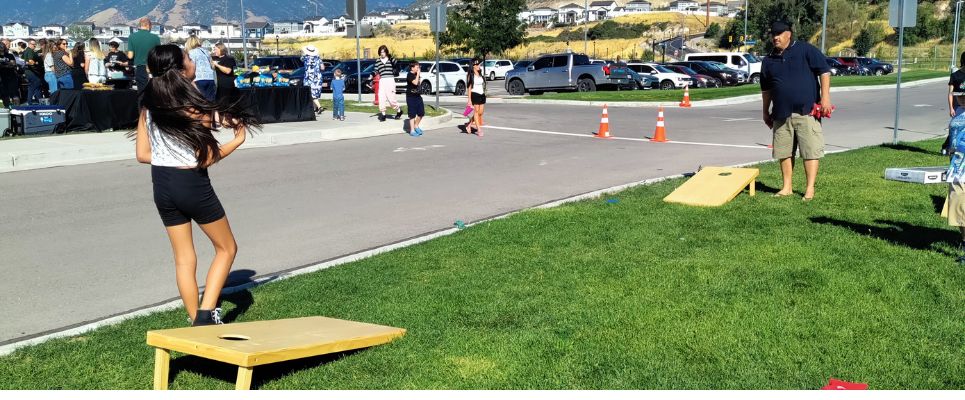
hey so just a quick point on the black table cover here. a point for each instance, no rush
(98, 110)
(280, 104)
(102, 110)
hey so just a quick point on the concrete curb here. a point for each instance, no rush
(704, 103)
(113, 146)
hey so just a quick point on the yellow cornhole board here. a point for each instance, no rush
(250, 344)
(714, 186)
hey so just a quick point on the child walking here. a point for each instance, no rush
(338, 96)
(413, 99)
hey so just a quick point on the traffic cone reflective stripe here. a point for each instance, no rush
(686, 102)
(660, 135)
(604, 132)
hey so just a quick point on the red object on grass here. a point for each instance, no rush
(834, 384)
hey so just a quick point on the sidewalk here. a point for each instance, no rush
(25, 152)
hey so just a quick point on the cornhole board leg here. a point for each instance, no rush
(752, 188)
(244, 378)
(162, 364)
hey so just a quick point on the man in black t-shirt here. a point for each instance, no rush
(116, 60)
(795, 78)
(413, 99)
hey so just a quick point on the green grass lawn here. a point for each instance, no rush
(732, 91)
(367, 107)
(762, 293)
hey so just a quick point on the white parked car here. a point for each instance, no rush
(452, 78)
(495, 69)
(668, 79)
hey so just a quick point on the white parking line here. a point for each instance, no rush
(624, 138)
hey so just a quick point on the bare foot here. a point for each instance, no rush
(783, 193)
(809, 195)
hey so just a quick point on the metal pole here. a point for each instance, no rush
(358, 50)
(824, 27)
(958, 11)
(244, 38)
(901, 46)
(586, 16)
(745, 25)
(438, 8)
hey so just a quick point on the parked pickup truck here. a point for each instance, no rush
(562, 72)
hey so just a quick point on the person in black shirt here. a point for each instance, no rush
(789, 83)
(77, 71)
(9, 78)
(116, 60)
(224, 68)
(413, 99)
(956, 97)
(34, 72)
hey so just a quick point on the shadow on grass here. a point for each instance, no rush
(899, 233)
(905, 147)
(262, 374)
(938, 202)
(241, 298)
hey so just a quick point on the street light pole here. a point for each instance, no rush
(244, 38)
(958, 12)
(586, 16)
(745, 22)
(824, 27)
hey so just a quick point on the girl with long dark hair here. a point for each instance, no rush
(78, 72)
(175, 135)
(476, 87)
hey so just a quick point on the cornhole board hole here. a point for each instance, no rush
(714, 186)
(251, 344)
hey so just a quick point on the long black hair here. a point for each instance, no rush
(175, 103)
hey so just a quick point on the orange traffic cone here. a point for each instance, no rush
(686, 102)
(604, 132)
(660, 135)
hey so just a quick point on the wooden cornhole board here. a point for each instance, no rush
(714, 186)
(250, 344)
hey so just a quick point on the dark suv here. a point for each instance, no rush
(725, 76)
(283, 64)
(875, 66)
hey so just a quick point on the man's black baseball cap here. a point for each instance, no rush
(779, 27)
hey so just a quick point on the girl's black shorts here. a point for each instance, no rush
(477, 98)
(182, 195)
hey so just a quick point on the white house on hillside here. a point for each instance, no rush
(374, 18)
(121, 30)
(16, 30)
(570, 14)
(289, 26)
(198, 30)
(316, 25)
(684, 5)
(224, 30)
(395, 17)
(53, 30)
(601, 10)
(638, 6)
(542, 15)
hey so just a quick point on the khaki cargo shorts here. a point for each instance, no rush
(956, 204)
(799, 131)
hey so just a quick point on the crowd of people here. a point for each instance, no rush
(34, 69)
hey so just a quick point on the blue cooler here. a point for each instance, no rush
(37, 120)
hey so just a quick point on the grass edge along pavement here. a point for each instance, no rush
(625, 292)
(730, 91)
(368, 107)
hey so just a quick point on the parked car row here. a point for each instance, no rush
(569, 71)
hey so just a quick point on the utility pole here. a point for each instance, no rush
(358, 49)
(824, 27)
(244, 38)
(958, 12)
(586, 16)
(707, 21)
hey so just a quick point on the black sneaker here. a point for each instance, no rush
(381, 117)
(208, 317)
(398, 115)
